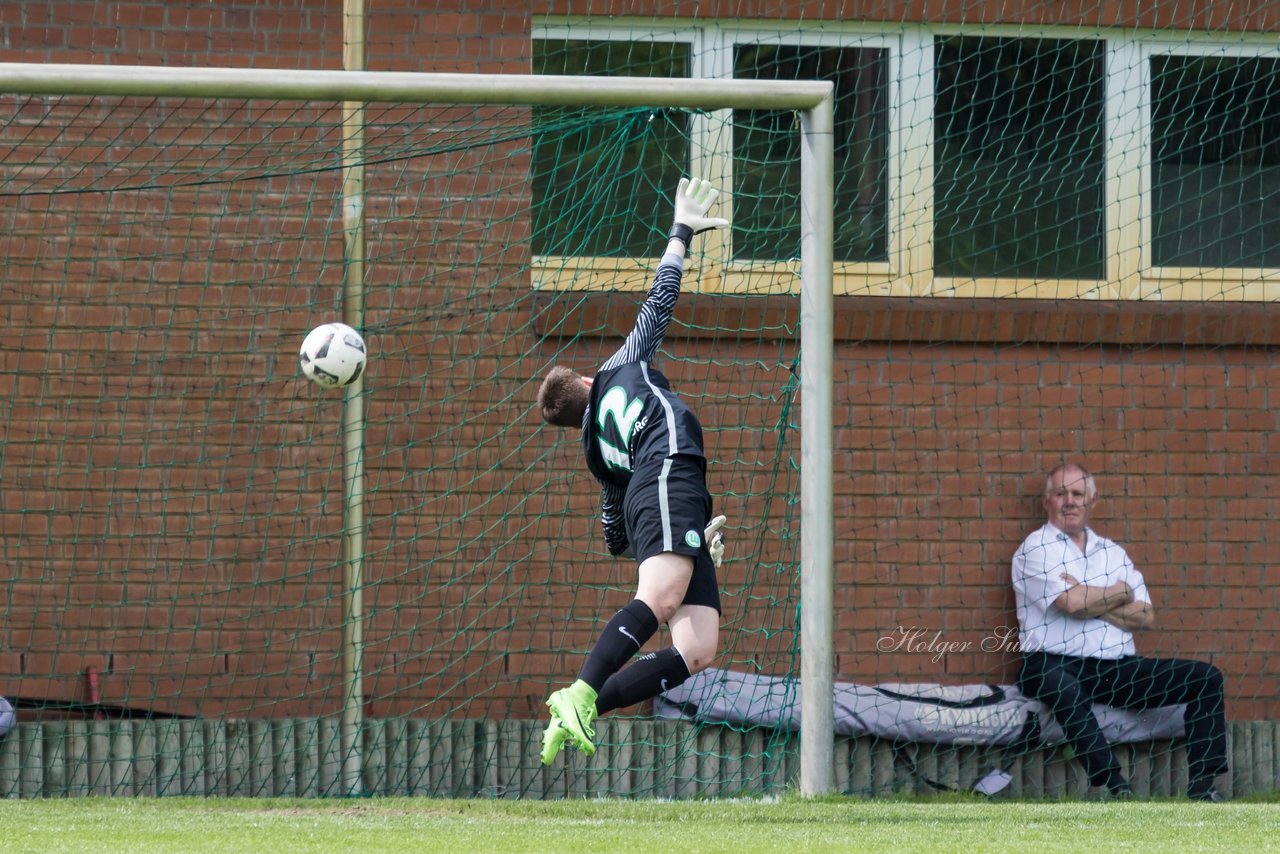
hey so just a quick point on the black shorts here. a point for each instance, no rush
(666, 509)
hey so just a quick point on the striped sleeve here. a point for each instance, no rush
(655, 314)
(615, 529)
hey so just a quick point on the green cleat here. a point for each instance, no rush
(575, 706)
(553, 740)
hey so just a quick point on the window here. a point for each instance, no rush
(766, 154)
(1215, 161)
(629, 158)
(1019, 146)
(1116, 166)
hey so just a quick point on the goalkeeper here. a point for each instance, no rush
(644, 445)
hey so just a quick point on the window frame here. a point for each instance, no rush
(908, 271)
(594, 273)
(1254, 284)
(712, 156)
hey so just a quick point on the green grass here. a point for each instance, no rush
(786, 826)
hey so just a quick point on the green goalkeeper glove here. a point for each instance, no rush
(714, 540)
(694, 197)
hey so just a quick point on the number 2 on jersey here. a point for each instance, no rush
(616, 405)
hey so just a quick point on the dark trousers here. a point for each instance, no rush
(1069, 686)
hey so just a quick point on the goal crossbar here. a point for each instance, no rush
(390, 86)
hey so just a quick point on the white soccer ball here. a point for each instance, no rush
(333, 354)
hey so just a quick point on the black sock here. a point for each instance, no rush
(647, 677)
(623, 636)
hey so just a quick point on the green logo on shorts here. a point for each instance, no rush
(693, 538)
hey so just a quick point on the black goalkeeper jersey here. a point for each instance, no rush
(635, 417)
(632, 415)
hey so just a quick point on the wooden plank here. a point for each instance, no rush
(1226, 783)
(686, 775)
(665, 754)
(1055, 773)
(1161, 756)
(215, 757)
(515, 759)
(168, 765)
(904, 778)
(842, 753)
(462, 780)
(756, 772)
(329, 752)
(542, 779)
(622, 765)
(1033, 773)
(1015, 769)
(577, 774)
(54, 756)
(98, 755)
(306, 757)
(1077, 783)
(1241, 759)
(554, 779)
(594, 772)
(418, 751)
(486, 759)
(373, 767)
(441, 758)
(260, 770)
(1125, 758)
(75, 756)
(771, 749)
(643, 758)
(120, 757)
(1140, 772)
(789, 766)
(936, 766)
(397, 747)
(604, 765)
(709, 765)
(144, 758)
(1178, 775)
(971, 764)
(1263, 756)
(10, 786)
(31, 760)
(239, 777)
(284, 771)
(881, 767)
(858, 779)
(1274, 784)
(191, 758)
(451, 758)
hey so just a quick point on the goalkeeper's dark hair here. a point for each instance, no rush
(563, 397)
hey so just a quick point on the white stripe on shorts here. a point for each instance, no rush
(664, 504)
(668, 413)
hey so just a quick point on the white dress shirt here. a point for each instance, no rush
(1038, 565)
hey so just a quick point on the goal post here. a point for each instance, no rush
(811, 100)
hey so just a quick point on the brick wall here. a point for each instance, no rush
(942, 454)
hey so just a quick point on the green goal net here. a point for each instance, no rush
(174, 487)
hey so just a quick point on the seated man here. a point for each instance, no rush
(1080, 599)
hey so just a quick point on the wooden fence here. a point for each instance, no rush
(499, 759)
